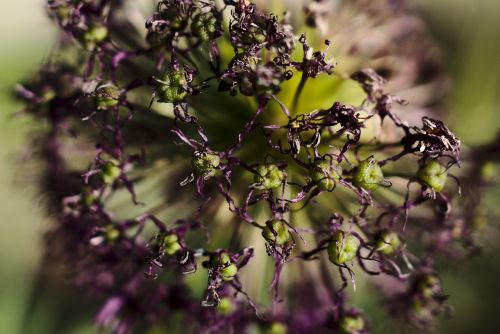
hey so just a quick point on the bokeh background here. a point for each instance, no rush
(469, 33)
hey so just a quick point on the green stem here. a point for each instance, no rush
(298, 91)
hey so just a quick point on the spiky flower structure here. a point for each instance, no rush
(215, 144)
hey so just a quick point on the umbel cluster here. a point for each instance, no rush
(212, 168)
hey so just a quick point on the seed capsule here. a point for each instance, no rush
(351, 324)
(170, 14)
(156, 39)
(111, 233)
(368, 175)
(429, 286)
(343, 247)
(228, 273)
(172, 88)
(387, 242)
(269, 176)
(205, 164)
(106, 97)
(95, 34)
(204, 26)
(277, 328)
(276, 232)
(433, 175)
(110, 171)
(325, 175)
(220, 260)
(225, 306)
(228, 270)
(170, 244)
(253, 35)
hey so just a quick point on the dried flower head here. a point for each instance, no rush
(212, 141)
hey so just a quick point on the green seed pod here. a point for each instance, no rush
(429, 286)
(351, 324)
(111, 233)
(225, 306)
(63, 14)
(228, 273)
(106, 97)
(269, 176)
(110, 171)
(368, 175)
(276, 232)
(221, 260)
(170, 244)
(95, 34)
(277, 328)
(387, 242)
(325, 176)
(155, 39)
(343, 247)
(48, 94)
(204, 26)
(489, 171)
(433, 175)
(172, 87)
(87, 199)
(205, 164)
(171, 15)
(253, 35)
(227, 269)
(260, 38)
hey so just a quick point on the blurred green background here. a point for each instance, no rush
(469, 32)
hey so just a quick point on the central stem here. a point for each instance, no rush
(298, 91)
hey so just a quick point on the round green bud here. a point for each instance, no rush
(221, 260)
(48, 94)
(254, 35)
(170, 244)
(111, 233)
(155, 39)
(227, 269)
(171, 15)
(387, 242)
(351, 324)
(110, 171)
(205, 164)
(269, 176)
(167, 94)
(204, 26)
(62, 13)
(87, 199)
(429, 286)
(176, 78)
(106, 97)
(433, 175)
(489, 171)
(277, 328)
(95, 34)
(172, 88)
(343, 247)
(228, 273)
(260, 38)
(276, 232)
(368, 175)
(325, 176)
(225, 306)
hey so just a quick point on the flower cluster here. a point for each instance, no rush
(185, 148)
